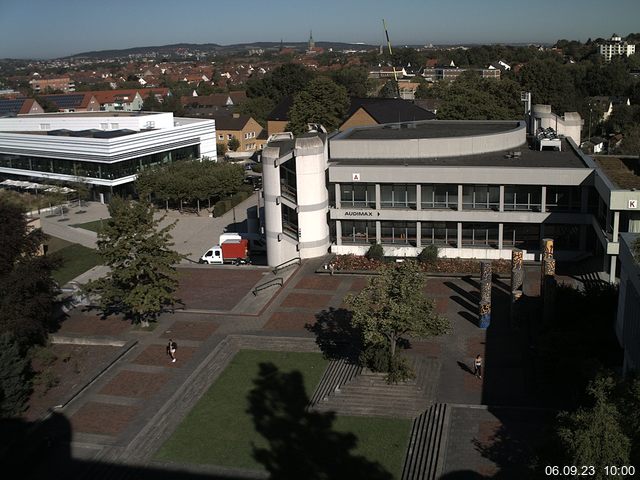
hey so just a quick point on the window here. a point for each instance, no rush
(480, 234)
(229, 136)
(45, 126)
(403, 233)
(289, 221)
(115, 126)
(104, 126)
(359, 232)
(357, 195)
(439, 196)
(397, 196)
(522, 197)
(439, 233)
(220, 137)
(525, 236)
(565, 237)
(480, 197)
(563, 199)
(288, 181)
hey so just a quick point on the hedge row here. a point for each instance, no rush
(223, 206)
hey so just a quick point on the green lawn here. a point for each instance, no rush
(93, 226)
(219, 431)
(77, 259)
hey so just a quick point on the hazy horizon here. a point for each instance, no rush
(55, 30)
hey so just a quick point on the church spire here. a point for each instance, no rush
(312, 44)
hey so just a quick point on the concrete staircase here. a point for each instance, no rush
(427, 444)
(337, 374)
(368, 394)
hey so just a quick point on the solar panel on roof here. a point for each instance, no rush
(66, 101)
(11, 107)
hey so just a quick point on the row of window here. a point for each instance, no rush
(107, 171)
(520, 235)
(474, 197)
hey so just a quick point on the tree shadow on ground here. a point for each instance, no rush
(335, 335)
(302, 443)
(514, 444)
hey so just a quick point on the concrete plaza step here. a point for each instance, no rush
(426, 444)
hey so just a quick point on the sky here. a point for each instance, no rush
(49, 29)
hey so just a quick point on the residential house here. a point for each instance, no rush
(19, 106)
(616, 47)
(242, 127)
(39, 84)
(74, 102)
(213, 105)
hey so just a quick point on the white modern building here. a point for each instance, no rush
(616, 47)
(475, 189)
(628, 317)
(103, 149)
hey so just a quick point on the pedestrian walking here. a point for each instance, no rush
(332, 268)
(477, 366)
(171, 350)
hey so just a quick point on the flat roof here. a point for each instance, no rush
(567, 158)
(89, 114)
(429, 129)
(623, 172)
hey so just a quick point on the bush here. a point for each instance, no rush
(375, 252)
(429, 254)
(43, 356)
(375, 357)
(222, 207)
(399, 370)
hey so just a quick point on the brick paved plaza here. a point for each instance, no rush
(134, 405)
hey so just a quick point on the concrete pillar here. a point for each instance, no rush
(501, 198)
(500, 233)
(338, 195)
(378, 198)
(460, 190)
(543, 199)
(485, 294)
(418, 197)
(459, 239)
(616, 225)
(338, 232)
(612, 269)
(418, 234)
(378, 232)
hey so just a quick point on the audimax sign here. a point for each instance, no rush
(360, 213)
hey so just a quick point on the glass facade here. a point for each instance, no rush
(563, 199)
(290, 221)
(398, 196)
(480, 197)
(480, 235)
(288, 181)
(565, 237)
(439, 196)
(439, 233)
(523, 197)
(358, 232)
(521, 235)
(358, 195)
(106, 171)
(403, 233)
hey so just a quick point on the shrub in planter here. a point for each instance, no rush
(429, 254)
(375, 357)
(375, 252)
(399, 370)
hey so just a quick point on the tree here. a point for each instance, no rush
(257, 108)
(233, 144)
(321, 102)
(142, 279)
(151, 104)
(393, 306)
(389, 90)
(287, 79)
(549, 83)
(593, 435)
(221, 148)
(28, 290)
(353, 79)
(14, 377)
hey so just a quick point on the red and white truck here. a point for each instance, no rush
(234, 250)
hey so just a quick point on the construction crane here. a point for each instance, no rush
(395, 73)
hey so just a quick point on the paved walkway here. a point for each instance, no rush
(124, 416)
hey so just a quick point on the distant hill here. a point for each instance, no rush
(213, 47)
